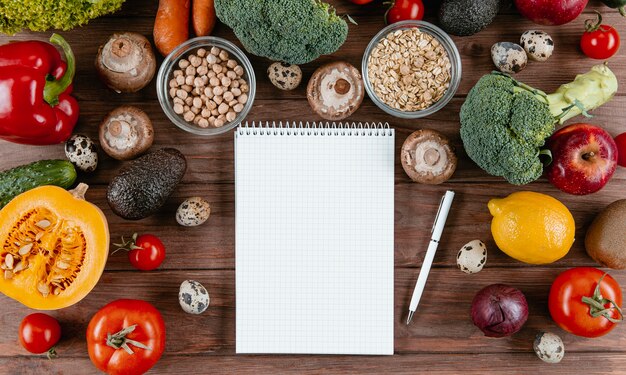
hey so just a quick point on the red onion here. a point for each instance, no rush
(499, 310)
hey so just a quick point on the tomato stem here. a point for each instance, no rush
(127, 245)
(597, 305)
(590, 26)
(52, 353)
(119, 340)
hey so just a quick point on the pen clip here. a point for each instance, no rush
(437, 217)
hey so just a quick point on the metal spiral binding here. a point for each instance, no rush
(315, 128)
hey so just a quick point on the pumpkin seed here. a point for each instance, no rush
(62, 265)
(43, 224)
(43, 289)
(8, 260)
(8, 274)
(26, 249)
(38, 236)
(19, 267)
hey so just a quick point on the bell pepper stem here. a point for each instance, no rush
(53, 89)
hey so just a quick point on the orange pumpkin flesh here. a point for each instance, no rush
(54, 246)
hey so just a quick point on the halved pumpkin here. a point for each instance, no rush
(53, 247)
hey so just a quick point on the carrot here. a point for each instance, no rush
(171, 26)
(203, 17)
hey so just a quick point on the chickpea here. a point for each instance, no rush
(211, 59)
(228, 96)
(218, 90)
(173, 92)
(214, 81)
(230, 116)
(198, 82)
(183, 63)
(180, 80)
(189, 101)
(189, 116)
(202, 70)
(173, 83)
(178, 108)
(235, 91)
(215, 51)
(238, 70)
(223, 55)
(190, 71)
(195, 61)
(232, 75)
(206, 113)
(177, 73)
(217, 68)
(215, 113)
(203, 123)
(243, 98)
(195, 110)
(178, 100)
(238, 107)
(231, 63)
(197, 102)
(219, 123)
(225, 81)
(218, 99)
(208, 91)
(187, 88)
(182, 94)
(201, 52)
(233, 103)
(189, 80)
(223, 108)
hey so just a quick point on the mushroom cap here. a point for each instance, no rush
(126, 132)
(427, 157)
(335, 90)
(126, 62)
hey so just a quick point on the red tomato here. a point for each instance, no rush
(574, 315)
(599, 41)
(620, 140)
(361, 2)
(145, 252)
(133, 324)
(402, 10)
(39, 333)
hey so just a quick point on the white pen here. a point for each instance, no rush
(437, 229)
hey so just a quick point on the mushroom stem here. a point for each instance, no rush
(342, 86)
(432, 156)
(121, 47)
(119, 128)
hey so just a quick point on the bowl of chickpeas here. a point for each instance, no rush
(206, 86)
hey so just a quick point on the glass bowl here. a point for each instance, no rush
(171, 63)
(453, 55)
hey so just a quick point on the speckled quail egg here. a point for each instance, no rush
(193, 212)
(537, 44)
(508, 57)
(193, 297)
(284, 76)
(549, 347)
(81, 151)
(472, 257)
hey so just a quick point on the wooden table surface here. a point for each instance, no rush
(441, 338)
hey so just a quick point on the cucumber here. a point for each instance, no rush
(15, 181)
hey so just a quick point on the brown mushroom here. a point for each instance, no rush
(126, 132)
(427, 157)
(126, 63)
(335, 90)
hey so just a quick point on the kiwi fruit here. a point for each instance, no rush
(605, 240)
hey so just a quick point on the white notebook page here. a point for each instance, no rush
(314, 241)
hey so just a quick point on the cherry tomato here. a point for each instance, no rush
(402, 10)
(39, 333)
(145, 252)
(127, 337)
(361, 2)
(599, 41)
(620, 140)
(585, 301)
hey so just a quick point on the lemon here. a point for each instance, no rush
(532, 227)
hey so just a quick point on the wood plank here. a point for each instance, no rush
(212, 245)
(442, 324)
(439, 364)
(210, 159)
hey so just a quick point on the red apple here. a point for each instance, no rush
(584, 158)
(620, 140)
(551, 12)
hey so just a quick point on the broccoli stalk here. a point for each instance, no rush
(504, 122)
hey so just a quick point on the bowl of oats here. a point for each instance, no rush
(411, 69)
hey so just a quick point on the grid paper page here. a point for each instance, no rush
(314, 242)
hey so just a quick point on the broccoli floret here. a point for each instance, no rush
(292, 31)
(504, 123)
(41, 15)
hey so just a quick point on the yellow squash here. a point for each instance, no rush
(53, 247)
(532, 227)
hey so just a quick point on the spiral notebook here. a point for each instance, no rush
(314, 230)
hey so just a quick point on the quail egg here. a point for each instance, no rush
(537, 44)
(193, 212)
(549, 347)
(284, 76)
(81, 151)
(193, 297)
(472, 257)
(508, 57)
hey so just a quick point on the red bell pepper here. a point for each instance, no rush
(35, 86)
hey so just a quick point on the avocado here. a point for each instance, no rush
(143, 185)
(467, 17)
(605, 240)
